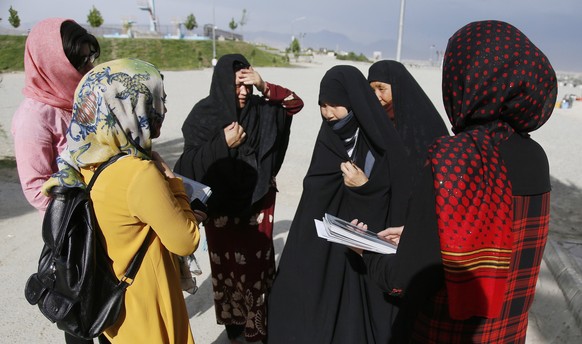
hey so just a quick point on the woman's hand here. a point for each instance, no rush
(360, 225)
(391, 234)
(234, 135)
(353, 175)
(162, 166)
(252, 77)
(200, 216)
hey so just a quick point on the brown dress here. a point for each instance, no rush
(243, 267)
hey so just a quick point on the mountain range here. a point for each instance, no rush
(336, 42)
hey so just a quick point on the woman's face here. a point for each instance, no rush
(156, 124)
(333, 112)
(88, 56)
(384, 93)
(242, 91)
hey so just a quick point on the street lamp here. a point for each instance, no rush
(400, 28)
(214, 60)
(301, 36)
(293, 26)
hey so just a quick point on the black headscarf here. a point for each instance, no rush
(241, 176)
(417, 120)
(321, 287)
(341, 85)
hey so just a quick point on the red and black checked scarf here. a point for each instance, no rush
(495, 82)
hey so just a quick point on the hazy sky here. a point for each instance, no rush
(553, 25)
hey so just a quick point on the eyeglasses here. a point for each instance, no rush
(88, 59)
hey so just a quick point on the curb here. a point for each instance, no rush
(562, 262)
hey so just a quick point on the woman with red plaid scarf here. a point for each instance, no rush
(470, 253)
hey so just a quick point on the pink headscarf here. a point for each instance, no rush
(49, 76)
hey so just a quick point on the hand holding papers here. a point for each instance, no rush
(342, 232)
(195, 190)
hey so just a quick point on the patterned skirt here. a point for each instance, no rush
(242, 261)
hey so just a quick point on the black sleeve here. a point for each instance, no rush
(418, 256)
(527, 165)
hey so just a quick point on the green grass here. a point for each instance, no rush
(12, 53)
(351, 56)
(7, 162)
(166, 54)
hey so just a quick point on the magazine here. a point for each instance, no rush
(336, 230)
(195, 190)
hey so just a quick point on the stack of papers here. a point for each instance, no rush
(342, 232)
(195, 190)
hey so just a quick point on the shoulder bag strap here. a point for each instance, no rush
(138, 258)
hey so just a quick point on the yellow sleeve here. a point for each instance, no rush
(164, 206)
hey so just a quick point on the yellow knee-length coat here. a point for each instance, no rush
(131, 197)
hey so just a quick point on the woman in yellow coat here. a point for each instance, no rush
(119, 108)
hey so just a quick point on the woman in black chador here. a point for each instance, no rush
(359, 168)
(235, 142)
(416, 119)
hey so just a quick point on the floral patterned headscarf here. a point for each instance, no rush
(496, 82)
(118, 106)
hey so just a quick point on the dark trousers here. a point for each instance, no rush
(233, 331)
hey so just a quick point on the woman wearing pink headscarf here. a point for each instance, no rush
(58, 53)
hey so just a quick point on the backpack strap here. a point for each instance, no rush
(135, 263)
(101, 168)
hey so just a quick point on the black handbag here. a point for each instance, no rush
(75, 286)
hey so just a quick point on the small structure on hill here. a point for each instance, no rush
(221, 34)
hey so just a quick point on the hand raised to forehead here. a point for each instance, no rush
(250, 77)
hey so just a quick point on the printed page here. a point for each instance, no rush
(195, 189)
(342, 232)
(347, 229)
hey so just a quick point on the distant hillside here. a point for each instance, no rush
(334, 41)
(166, 54)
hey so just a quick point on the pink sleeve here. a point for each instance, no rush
(39, 136)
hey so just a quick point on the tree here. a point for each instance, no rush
(351, 56)
(233, 25)
(200, 59)
(295, 47)
(190, 23)
(14, 19)
(94, 17)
